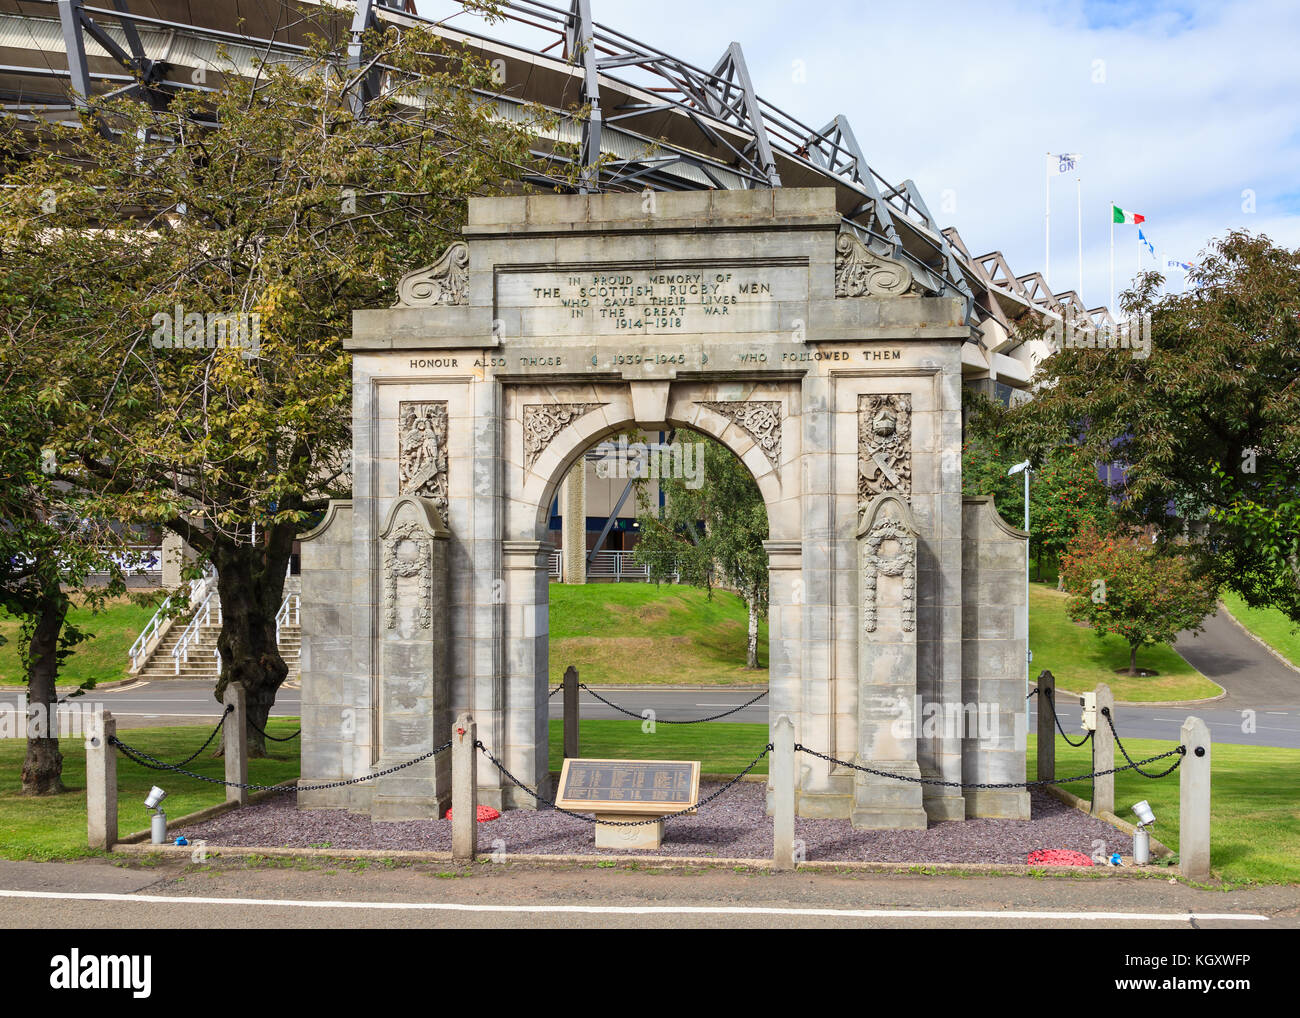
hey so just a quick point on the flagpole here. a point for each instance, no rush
(1078, 211)
(1111, 304)
(1047, 219)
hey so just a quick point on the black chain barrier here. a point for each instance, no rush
(665, 721)
(553, 692)
(1179, 751)
(154, 764)
(284, 738)
(1051, 701)
(1110, 721)
(622, 823)
(220, 724)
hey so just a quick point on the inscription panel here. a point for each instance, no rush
(629, 786)
(639, 301)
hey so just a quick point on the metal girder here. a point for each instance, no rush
(836, 149)
(958, 278)
(733, 98)
(580, 45)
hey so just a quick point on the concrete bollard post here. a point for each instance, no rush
(101, 781)
(1103, 797)
(236, 744)
(464, 789)
(1046, 726)
(783, 793)
(570, 696)
(1194, 801)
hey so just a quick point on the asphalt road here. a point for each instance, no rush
(231, 894)
(180, 702)
(1262, 706)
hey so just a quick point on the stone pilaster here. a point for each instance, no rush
(573, 533)
(887, 542)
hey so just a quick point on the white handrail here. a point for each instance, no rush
(202, 617)
(198, 589)
(287, 614)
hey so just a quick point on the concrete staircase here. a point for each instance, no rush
(202, 658)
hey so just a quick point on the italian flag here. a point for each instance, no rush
(1118, 215)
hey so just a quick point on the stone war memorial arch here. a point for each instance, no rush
(753, 317)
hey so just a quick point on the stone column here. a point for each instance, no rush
(235, 752)
(414, 693)
(887, 722)
(573, 532)
(783, 768)
(1194, 801)
(1103, 797)
(175, 554)
(101, 782)
(526, 711)
(464, 778)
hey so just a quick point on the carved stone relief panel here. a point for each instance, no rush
(761, 420)
(884, 445)
(407, 557)
(422, 451)
(446, 281)
(543, 421)
(861, 272)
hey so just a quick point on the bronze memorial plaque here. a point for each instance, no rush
(629, 786)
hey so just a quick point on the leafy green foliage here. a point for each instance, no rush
(1122, 585)
(1065, 493)
(271, 199)
(1207, 426)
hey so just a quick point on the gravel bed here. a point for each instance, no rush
(732, 826)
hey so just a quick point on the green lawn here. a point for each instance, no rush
(721, 747)
(1269, 624)
(1079, 660)
(100, 659)
(640, 634)
(54, 827)
(1256, 819)
(1255, 815)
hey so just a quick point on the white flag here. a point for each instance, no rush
(1066, 161)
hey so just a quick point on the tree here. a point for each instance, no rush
(1120, 585)
(47, 546)
(269, 209)
(710, 535)
(1065, 493)
(1207, 426)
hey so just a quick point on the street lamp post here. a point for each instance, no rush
(1024, 468)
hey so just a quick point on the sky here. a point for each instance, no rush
(1185, 112)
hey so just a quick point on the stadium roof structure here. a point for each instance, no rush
(636, 116)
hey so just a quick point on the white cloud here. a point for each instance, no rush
(1196, 105)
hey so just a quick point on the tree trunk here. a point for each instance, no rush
(1133, 660)
(43, 767)
(751, 650)
(250, 583)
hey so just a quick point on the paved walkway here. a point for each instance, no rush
(234, 895)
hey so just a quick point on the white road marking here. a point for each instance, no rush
(845, 913)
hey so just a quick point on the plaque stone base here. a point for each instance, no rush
(642, 836)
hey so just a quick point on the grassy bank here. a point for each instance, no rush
(100, 659)
(1269, 624)
(1256, 821)
(637, 633)
(1080, 660)
(54, 827)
